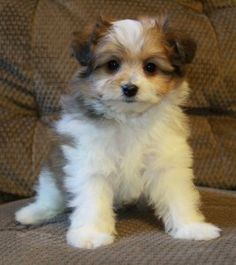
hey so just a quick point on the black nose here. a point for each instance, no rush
(129, 90)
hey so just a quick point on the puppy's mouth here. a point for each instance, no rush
(129, 100)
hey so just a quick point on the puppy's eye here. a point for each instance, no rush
(113, 65)
(150, 68)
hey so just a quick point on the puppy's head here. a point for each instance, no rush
(129, 65)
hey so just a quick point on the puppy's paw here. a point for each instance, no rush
(88, 238)
(34, 214)
(197, 231)
(28, 214)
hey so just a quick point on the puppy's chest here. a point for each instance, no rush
(121, 152)
(126, 151)
(118, 154)
(126, 148)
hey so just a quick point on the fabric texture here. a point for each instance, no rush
(141, 239)
(210, 5)
(35, 67)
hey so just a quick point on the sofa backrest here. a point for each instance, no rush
(35, 67)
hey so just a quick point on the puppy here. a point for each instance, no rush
(122, 135)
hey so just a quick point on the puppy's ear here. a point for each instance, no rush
(183, 50)
(84, 42)
(80, 48)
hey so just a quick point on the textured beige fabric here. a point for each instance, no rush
(210, 5)
(35, 68)
(141, 239)
(224, 22)
(213, 142)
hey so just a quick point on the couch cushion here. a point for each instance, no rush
(21, 148)
(141, 239)
(224, 21)
(212, 5)
(214, 149)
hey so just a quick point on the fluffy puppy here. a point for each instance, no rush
(124, 135)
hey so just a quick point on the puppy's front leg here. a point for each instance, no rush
(176, 201)
(92, 221)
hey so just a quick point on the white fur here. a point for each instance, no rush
(197, 231)
(49, 202)
(88, 237)
(129, 33)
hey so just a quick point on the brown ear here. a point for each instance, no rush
(81, 48)
(182, 52)
(83, 43)
(182, 48)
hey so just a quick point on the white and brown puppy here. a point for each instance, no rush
(126, 135)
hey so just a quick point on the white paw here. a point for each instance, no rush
(33, 214)
(88, 237)
(197, 231)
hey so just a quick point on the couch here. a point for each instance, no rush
(35, 67)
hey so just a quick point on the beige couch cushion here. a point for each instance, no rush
(141, 239)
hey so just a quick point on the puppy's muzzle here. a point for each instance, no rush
(129, 90)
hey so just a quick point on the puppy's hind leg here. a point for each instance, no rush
(49, 201)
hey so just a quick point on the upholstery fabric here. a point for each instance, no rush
(210, 5)
(141, 239)
(35, 67)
